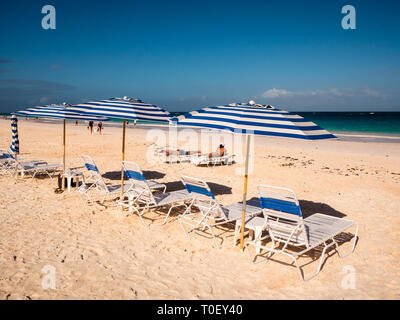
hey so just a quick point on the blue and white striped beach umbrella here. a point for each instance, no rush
(260, 119)
(14, 147)
(59, 112)
(253, 118)
(124, 109)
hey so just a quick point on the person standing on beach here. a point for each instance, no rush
(134, 124)
(99, 126)
(76, 122)
(90, 126)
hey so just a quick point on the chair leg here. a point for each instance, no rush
(182, 217)
(246, 248)
(292, 257)
(237, 227)
(167, 216)
(69, 183)
(169, 212)
(319, 264)
(146, 207)
(130, 203)
(213, 235)
(272, 247)
(257, 236)
(355, 237)
(88, 201)
(183, 228)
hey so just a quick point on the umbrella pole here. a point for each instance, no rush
(245, 193)
(63, 174)
(123, 158)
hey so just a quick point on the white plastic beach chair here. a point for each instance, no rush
(94, 185)
(286, 227)
(184, 156)
(6, 162)
(160, 153)
(205, 159)
(141, 197)
(175, 156)
(9, 163)
(37, 168)
(14, 166)
(135, 175)
(210, 213)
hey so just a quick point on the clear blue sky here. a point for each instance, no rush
(183, 55)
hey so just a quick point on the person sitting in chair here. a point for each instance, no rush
(220, 152)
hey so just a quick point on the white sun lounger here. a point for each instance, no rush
(175, 156)
(285, 225)
(6, 162)
(36, 168)
(211, 214)
(135, 175)
(141, 197)
(214, 160)
(9, 163)
(15, 167)
(94, 185)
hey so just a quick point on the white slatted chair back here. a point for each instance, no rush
(94, 173)
(203, 198)
(138, 181)
(282, 213)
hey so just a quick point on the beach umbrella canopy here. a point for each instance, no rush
(258, 119)
(56, 111)
(261, 119)
(125, 109)
(14, 147)
(60, 112)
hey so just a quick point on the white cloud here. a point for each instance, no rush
(336, 92)
(333, 92)
(276, 93)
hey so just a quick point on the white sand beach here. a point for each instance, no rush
(106, 254)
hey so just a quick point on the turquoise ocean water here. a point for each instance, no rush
(359, 122)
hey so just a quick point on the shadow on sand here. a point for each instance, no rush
(217, 189)
(149, 175)
(308, 208)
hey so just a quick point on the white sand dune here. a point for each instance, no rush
(106, 254)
